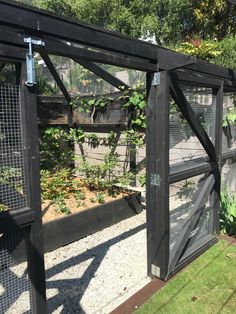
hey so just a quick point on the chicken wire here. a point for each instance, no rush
(15, 287)
(12, 181)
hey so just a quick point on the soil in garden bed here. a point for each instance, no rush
(51, 211)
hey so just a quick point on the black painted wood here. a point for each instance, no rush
(105, 75)
(34, 239)
(60, 48)
(40, 23)
(157, 165)
(190, 169)
(11, 54)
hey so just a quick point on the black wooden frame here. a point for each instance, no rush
(165, 70)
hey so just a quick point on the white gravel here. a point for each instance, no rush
(97, 273)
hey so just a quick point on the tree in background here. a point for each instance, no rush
(169, 21)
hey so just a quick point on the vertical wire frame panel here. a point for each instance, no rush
(12, 180)
(15, 286)
(15, 289)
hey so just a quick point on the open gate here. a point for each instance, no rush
(183, 159)
(20, 215)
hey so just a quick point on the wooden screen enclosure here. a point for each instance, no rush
(185, 98)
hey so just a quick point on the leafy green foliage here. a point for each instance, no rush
(142, 179)
(135, 103)
(168, 21)
(54, 185)
(54, 147)
(79, 195)
(202, 49)
(61, 205)
(99, 198)
(228, 212)
(227, 58)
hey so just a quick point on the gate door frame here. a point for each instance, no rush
(161, 88)
(28, 219)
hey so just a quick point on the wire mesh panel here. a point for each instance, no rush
(184, 144)
(15, 287)
(229, 125)
(12, 181)
(183, 197)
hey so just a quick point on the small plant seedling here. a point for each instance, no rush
(79, 195)
(98, 198)
(61, 205)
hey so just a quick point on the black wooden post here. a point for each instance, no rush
(34, 240)
(215, 196)
(157, 186)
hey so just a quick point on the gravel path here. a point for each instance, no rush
(99, 272)
(92, 275)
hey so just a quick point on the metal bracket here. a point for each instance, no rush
(155, 179)
(156, 79)
(30, 63)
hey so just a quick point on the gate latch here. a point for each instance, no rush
(30, 63)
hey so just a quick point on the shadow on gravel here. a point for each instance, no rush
(71, 290)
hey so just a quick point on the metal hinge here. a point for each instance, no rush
(30, 63)
(156, 79)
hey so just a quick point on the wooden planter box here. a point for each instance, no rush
(68, 229)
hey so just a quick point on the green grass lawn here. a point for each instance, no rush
(208, 285)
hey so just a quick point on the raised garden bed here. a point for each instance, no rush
(69, 228)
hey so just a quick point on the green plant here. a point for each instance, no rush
(56, 184)
(92, 105)
(126, 179)
(135, 103)
(142, 179)
(55, 146)
(202, 49)
(80, 195)
(98, 198)
(99, 176)
(61, 205)
(228, 212)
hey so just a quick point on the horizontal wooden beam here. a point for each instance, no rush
(63, 49)
(11, 54)
(39, 22)
(10, 220)
(190, 169)
(102, 73)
